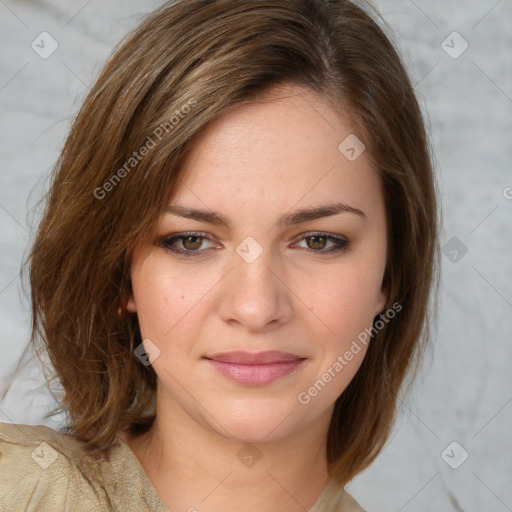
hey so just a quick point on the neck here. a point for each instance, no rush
(195, 468)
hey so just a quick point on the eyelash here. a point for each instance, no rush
(167, 241)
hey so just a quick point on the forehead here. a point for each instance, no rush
(283, 148)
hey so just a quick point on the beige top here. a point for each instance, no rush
(44, 470)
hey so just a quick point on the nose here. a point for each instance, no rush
(256, 295)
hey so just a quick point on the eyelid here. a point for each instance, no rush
(341, 243)
(185, 234)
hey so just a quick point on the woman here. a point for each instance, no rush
(233, 271)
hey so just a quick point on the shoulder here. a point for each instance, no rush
(351, 505)
(335, 498)
(46, 471)
(43, 469)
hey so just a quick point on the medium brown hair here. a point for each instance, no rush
(188, 63)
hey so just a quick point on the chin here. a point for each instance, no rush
(255, 423)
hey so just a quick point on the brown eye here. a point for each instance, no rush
(317, 242)
(192, 242)
(187, 244)
(324, 243)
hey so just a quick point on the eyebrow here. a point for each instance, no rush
(290, 219)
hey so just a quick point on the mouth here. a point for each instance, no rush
(255, 369)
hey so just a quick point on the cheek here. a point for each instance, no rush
(160, 297)
(171, 305)
(346, 302)
(340, 326)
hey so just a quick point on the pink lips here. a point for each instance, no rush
(255, 369)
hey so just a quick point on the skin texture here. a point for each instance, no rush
(254, 165)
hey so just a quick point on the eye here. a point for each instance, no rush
(318, 242)
(188, 244)
(191, 244)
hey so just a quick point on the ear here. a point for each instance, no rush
(131, 306)
(382, 299)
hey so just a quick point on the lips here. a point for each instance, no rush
(255, 369)
(269, 357)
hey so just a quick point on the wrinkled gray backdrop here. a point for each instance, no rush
(461, 405)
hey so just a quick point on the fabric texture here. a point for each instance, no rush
(45, 471)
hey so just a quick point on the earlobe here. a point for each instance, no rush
(382, 299)
(130, 304)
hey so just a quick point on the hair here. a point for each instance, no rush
(186, 64)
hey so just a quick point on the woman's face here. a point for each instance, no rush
(253, 314)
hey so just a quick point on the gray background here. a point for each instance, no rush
(464, 393)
